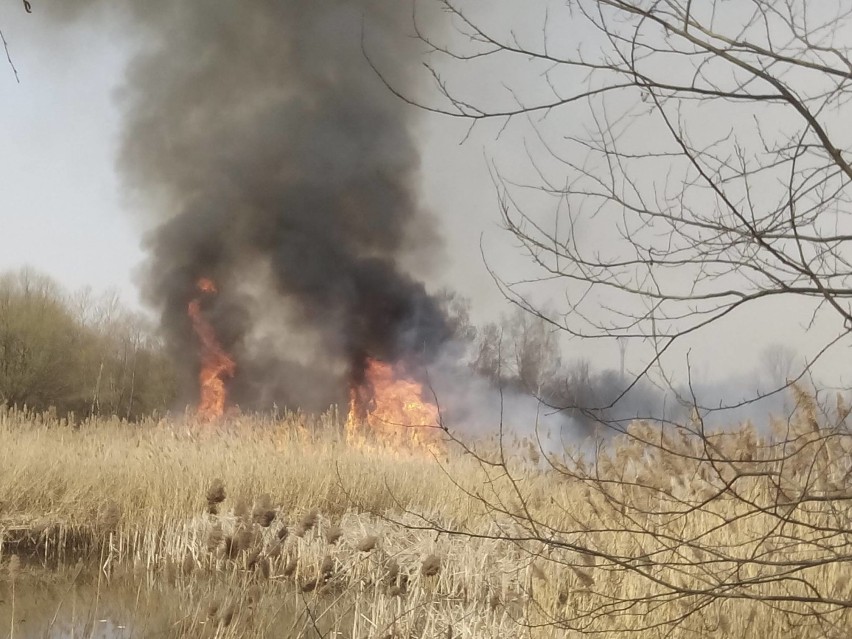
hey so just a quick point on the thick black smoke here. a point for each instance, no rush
(284, 170)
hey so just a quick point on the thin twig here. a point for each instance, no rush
(8, 56)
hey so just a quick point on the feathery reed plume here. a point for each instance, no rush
(367, 543)
(431, 566)
(215, 495)
(333, 534)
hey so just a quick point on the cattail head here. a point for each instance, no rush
(275, 549)
(240, 541)
(392, 571)
(263, 567)
(290, 566)
(215, 496)
(252, 559)
(263, 513)
(227, 615)
(431, 566)
(327, 566)
(241, 509)
(367, 543)
(333, 534)
(188, 564)
(585, 577)
(263, 516)
(170, 572)
(110, 516)
(309, 585)
(308, 521)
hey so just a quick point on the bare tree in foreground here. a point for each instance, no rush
(708, 142)
(29, 9)
(680, 531)
(692, 160)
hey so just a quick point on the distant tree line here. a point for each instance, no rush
(80, 354)
(522, 352)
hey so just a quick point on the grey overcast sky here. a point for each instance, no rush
(63, 210)
(60, 200)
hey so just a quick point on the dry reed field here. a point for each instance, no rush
(276, 528)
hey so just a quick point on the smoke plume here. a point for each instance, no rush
(283, 169)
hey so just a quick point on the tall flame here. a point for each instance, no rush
(388, 410)
(216, 364)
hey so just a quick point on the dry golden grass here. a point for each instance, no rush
(271, 528)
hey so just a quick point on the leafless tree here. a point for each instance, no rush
(707, 142)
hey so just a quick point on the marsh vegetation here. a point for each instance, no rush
(261, 527)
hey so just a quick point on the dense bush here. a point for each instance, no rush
(77, 354)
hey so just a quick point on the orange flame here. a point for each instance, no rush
(216, 364)
(389, 411)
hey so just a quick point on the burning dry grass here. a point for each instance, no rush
(270, 529)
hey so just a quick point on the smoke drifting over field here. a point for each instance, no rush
(285, 171)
